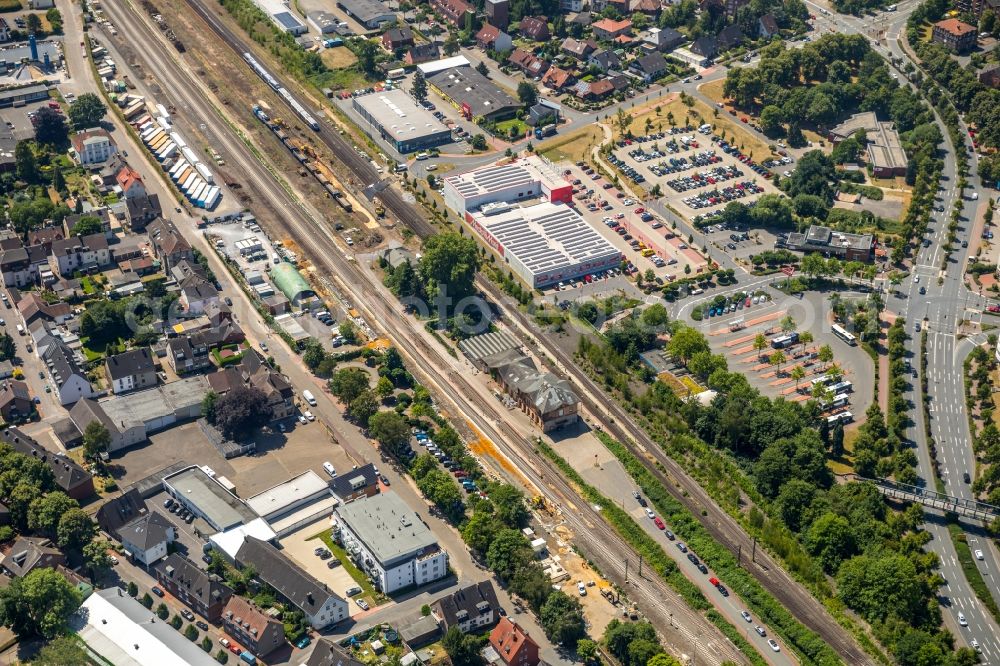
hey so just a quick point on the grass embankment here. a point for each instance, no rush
(366, 587)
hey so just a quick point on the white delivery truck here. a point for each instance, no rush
(307, 394)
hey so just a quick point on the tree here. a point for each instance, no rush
(206, 644)
(96, 440)
(787, 323)
(759, 344)
(419, 88)
(777, 359)
(480, 530)
(837, 440)
(685, 342)
(825, 354)
(384, 388)
(44, 513)
(508, 551)
(75, 530)
(96, 556)
(162, 611)
(561, 617)
(366, 51)
(451, 45)
(50, 127)
(623, 120)
(771, 120)
(349, 383)
(33, 24)
(462, 648)
(7, 347)
(878, 585)
(586, 651)
(62, 651)
(663, 659)
(39, 604)
(509, 505)
(25, 166)
(831, 539)
(363, 407)
(483, 69)
(222, 656)
(240, 411)
(54, 17)
(527, 93)
(87, 111)
(478, 142)
(133, 589)
(391, 431)
(58, 180)
(146, 600)
(449, 265)
(208, 406)
(191, 633)
(313, 355)
(798, 374)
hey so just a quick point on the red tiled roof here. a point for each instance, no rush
(955, 27)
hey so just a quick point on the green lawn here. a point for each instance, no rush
(369, 593)
(503, 128)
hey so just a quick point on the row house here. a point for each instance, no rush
(84, 254)
(453, 11)
(205, 593)
(492, 38)
(259, 633)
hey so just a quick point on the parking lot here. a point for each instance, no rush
(643, 238)
(301, 546)
(697, 172)
(732, 323)
(738, 242)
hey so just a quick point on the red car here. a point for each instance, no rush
(714, 581)
(659, 523)
(235, 649)
(993, 308)
(640, 211)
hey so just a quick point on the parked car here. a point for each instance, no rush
(157, 591)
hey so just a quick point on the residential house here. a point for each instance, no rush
(252, 371)
(45, 236)
(131, 370)
(124, 433)
(169, 246)
(649, 67)
(608, 29)
(397, 38)
(535, 28)
(594, 90)
(259, 633)
(954, 35)
(579, 49)
(121, 510)
(529, 63)
(15, 400)
(513, 645)
(543, 113)
(32, 307)
(767, 26)
(130, 183)
(557, 78)
(606, 61)
(990, 77)
(729, 37)
(204, 593)
(197, 294)
(329, 653)
(492, 38)
(321, 606)
(69, 380)
(85, 254)
(651, 8)
(69, 476)
(356, 484)
(453, 11)
(102, 214)
(146, 539)
(497, 13)
(422, 53)
(663, 40)
(93, 147)
(707, 47)
(16, 268)
(188, 353)
(30, 553)
(471, 608)
(140, 211)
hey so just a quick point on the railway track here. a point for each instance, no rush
(683, 628)
(612, 417)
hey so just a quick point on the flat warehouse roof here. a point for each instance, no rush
(547, 237)
(284, 495)
(498, 178)
(465, 84)
(387, 526)
(365, 10)
(399, 115)
(218, 504)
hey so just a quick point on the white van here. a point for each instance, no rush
(329, 469)
(307, 394)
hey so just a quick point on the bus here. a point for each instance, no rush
(842, 417)
(842, 387)
(395, 74)
(842, 333)
(821, 381)
(838, 401)
(737, 324)
(783, 341)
